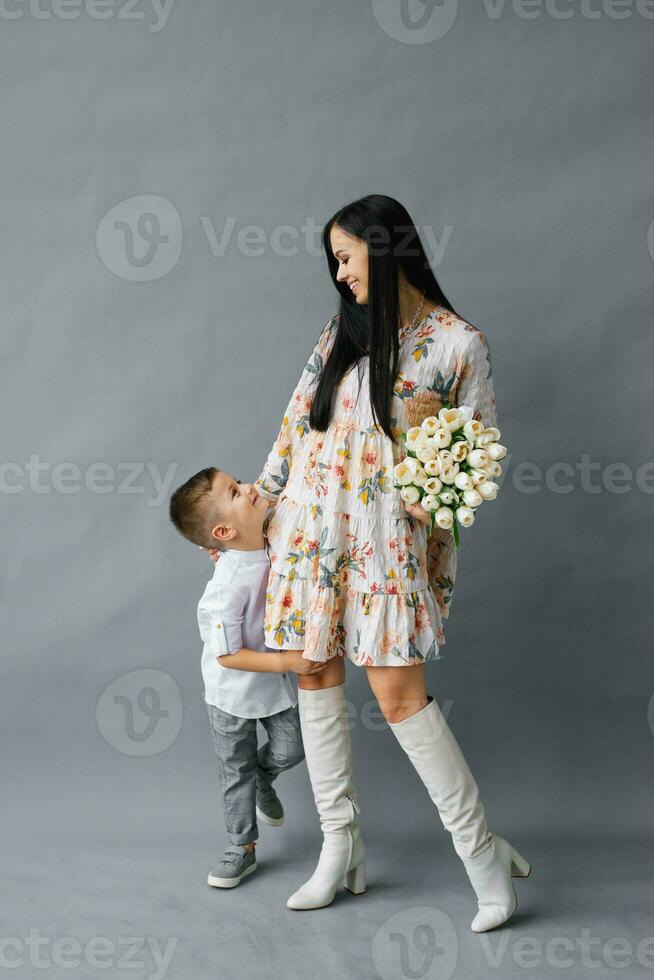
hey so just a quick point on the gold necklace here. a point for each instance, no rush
(410, 326)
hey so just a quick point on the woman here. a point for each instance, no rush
(354, 572)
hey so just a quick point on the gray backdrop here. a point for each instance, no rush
(165, 175)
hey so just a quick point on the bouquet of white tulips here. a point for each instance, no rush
(449, 467)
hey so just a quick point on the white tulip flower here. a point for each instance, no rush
(478, 475)
(425, 452)
(487, 490)
(472, 430)
(472, 498)
(465, 516)
(451, 419)
(478, 457)
(430, 502)
(463, 481)
(410, 495)
(444, 518)
(496, 450)
(433, 467)
(415, 437)
(460, 450)
(449, 497)
(402, 473)
(449, 472)
(488, 435)
(430, 424)
(412, 465)
(442, 438)
(433, 485)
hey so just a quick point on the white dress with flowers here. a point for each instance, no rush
(352, 574)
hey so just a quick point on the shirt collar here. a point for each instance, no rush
(259, 554)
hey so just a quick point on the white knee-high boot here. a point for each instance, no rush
(328, 753)
(489, 860)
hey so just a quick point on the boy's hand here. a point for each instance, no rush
(297, 664)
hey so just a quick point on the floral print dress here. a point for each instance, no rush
(352, 574)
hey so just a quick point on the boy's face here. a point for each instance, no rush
(241, 508)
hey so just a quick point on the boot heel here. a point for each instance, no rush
(355, 880)
(519, 867)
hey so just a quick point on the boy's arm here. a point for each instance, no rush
(277, 663)
(244, 659)
(221, 612)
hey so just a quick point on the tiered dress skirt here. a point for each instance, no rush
(348, 570)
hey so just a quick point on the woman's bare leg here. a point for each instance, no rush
(400, 691)
(331, 676)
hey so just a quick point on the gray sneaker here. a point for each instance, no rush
(269, 808)
(235, 864)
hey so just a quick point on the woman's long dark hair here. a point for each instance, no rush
(393, 243)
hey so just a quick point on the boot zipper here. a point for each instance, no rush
(354, 803)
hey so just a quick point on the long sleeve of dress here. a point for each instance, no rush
(476, 381)
(295, 423)
(475, 388)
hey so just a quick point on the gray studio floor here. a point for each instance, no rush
(142, 909)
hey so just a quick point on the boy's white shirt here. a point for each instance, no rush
(230, 616)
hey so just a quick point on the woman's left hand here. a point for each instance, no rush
(419, 512)
(214, 553)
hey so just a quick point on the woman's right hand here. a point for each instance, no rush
(418, 512)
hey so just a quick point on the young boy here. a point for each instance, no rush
(242, 680)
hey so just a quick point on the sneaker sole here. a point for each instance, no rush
(273, 821)
(230, 882)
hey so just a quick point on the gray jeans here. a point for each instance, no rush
(242, 766)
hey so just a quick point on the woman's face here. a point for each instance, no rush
(352, 255)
